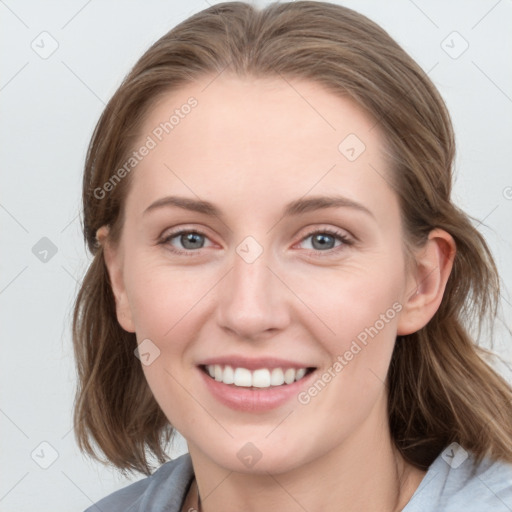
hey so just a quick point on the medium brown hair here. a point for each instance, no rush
(439, 386)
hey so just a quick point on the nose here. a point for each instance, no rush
(253, 299)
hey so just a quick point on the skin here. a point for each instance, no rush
(250, 147)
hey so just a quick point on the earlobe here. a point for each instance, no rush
(434, 263)
(114, 263)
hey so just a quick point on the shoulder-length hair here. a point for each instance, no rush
(440, 389)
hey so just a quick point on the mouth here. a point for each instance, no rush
(258, 379)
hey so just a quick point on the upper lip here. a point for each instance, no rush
(253, 363)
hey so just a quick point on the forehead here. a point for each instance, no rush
(247, 142)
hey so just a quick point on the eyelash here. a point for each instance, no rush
(331, 232)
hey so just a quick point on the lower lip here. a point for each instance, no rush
(254, 399)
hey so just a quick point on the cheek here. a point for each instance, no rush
(165, 303)
(337, 304)
(161, 296)
(357, 311)
(347, 301)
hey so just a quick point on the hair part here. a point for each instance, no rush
(440, 389)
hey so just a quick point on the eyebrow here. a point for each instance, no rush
(296, 207)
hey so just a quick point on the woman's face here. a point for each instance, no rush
(297, 262)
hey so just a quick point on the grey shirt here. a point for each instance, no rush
(453, 483)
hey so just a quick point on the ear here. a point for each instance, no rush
(428, 280)
(114, 263)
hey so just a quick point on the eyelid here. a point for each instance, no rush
(334, 231)
(338, 233)
(342, 235)
(165, 239)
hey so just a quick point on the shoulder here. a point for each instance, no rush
(165, 489)
(454, 482)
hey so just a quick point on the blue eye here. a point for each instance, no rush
(322, 240)
(190, 241)
(325, 240)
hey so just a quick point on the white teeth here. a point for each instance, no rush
(261, 378)
(228, 376)
(300, 373)
(243, 377)
(289, 375)
(277, 377)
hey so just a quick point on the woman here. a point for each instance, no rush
(280, 275)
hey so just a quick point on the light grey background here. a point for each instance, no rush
(49, 107)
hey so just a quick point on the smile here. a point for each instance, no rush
(257, 390)
(260, 378)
